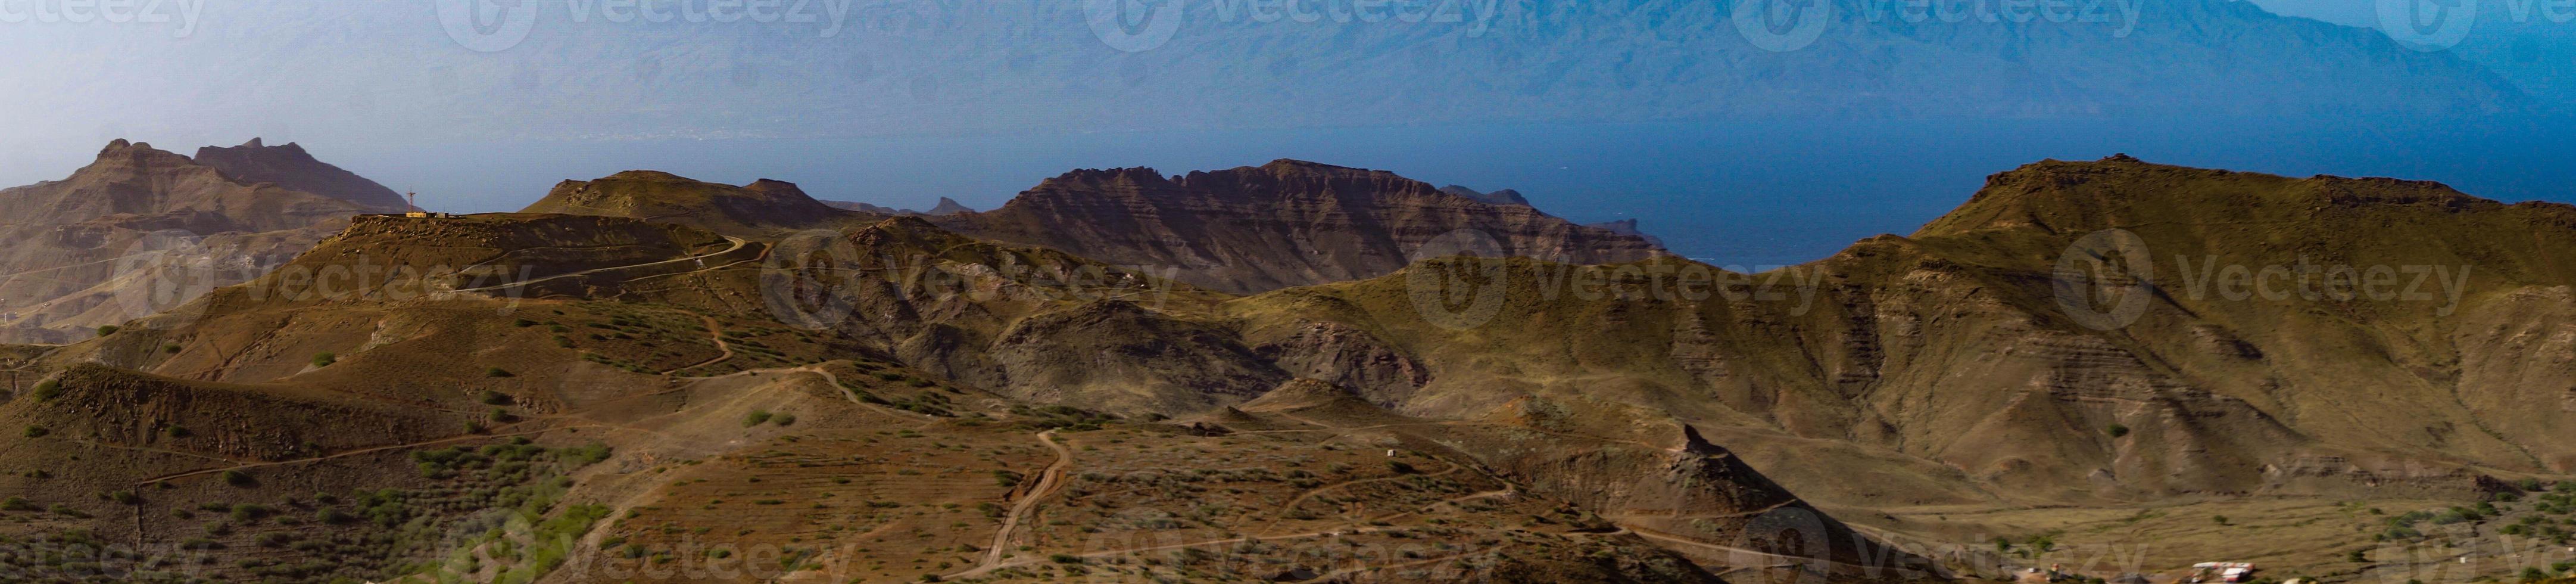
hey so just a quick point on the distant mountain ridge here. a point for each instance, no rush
(1282, 224)
(1241, 230)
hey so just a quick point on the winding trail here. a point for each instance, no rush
(738, 244)
(1048, 483)
(716, 330)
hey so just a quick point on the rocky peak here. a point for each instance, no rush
(291, 167)
(948, 206)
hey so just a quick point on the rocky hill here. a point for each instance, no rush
(764, 205)
(1286, 223)
(140, 230)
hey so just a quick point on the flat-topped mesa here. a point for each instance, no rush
(762, 206)
(1286, 223)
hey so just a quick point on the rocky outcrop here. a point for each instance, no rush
(1287, 223)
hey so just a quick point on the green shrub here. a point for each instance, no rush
(108, 329)
(325, 359)
(37, 431)
(238, 478)
(16, 504)
(495, 372)
(2116, 430)
(48, 389)
(757, 417)
(783, 419)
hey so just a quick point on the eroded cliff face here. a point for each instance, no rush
(1287, 223)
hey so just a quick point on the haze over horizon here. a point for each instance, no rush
(903, 102)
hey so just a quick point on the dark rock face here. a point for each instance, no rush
(291, 167)
(1287, 223)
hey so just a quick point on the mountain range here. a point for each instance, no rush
(1302, 371)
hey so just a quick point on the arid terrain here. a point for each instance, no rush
(1292, 372)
